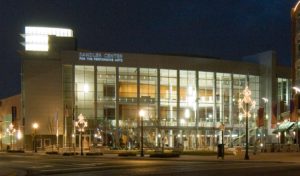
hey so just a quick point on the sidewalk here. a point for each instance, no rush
(274, 157)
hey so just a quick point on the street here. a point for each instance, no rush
(39, 164)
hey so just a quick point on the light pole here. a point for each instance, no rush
(297, 90)
(222, 128)
(142, 114)
(81, 124)
(244, 106)
(35, 126)
(11, 130)
(265, 121)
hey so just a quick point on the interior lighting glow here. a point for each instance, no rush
(182, 121)
(234, 135)
(142, 113)
(35, 125)
(19, 135)
(86, 88)
(296, 89)
(187, 113)
(265, 99)
(190, 90)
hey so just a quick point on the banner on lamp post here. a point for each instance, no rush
(260, 117)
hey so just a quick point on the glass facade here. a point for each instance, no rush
(183, 108)
(106, 103)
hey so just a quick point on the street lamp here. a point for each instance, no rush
(297, 90)
(81, 124)
(265, 121)
(142, 115)
(11, 130)
(244, 106)
(35, 126)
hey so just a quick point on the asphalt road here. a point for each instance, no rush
(29, 164)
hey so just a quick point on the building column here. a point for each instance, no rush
(197, 110)
(179, 128)
(214, 110)
(117, 108)
(95, 102)
(157, 106)
(138, 108)
(230, 123)
(74, 108)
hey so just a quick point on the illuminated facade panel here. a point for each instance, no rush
(37, 38)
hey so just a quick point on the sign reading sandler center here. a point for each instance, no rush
(101, 57)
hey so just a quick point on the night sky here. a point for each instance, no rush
(228, 29)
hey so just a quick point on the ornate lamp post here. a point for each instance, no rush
(142, 115)
(81, 124)
(11, 130)
(35, 126)
(244, 106)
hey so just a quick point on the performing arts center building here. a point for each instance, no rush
(187, 101)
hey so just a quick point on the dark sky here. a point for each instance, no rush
(228, 29)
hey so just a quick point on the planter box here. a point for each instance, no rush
(52, 153)
(94, 153)
(127, 154)
(15, 151)
(69, 153)
(165, 155)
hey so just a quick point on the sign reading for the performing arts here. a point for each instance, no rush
(101, 57)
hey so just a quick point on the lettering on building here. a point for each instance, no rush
(101, 57)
